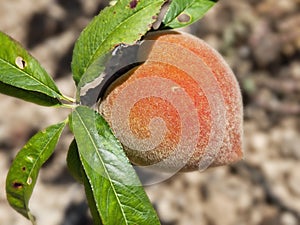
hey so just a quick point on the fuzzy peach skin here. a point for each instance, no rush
(181, 110)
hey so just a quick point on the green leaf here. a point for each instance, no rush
(182, 13)
(74, 163)
(91, 201)
(123, 23)
(77, 171)
(119, 196)
(23, 172)
(30, 96)
(19, 69)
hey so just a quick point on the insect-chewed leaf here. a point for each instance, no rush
(24, 170)
(123, 23)
(118, 194)
(185, 12)
(20, 70)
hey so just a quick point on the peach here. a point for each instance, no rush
(181, 110)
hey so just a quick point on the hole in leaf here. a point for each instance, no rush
(20, 62)
(17, 185)
(29, 180)
(23, 168)
(184, 18)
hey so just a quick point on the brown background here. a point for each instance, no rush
(260, 39)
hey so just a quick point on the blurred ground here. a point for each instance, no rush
(260, 39)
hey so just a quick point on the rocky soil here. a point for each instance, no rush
(260, 39)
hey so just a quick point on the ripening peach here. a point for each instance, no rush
(181, 110)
